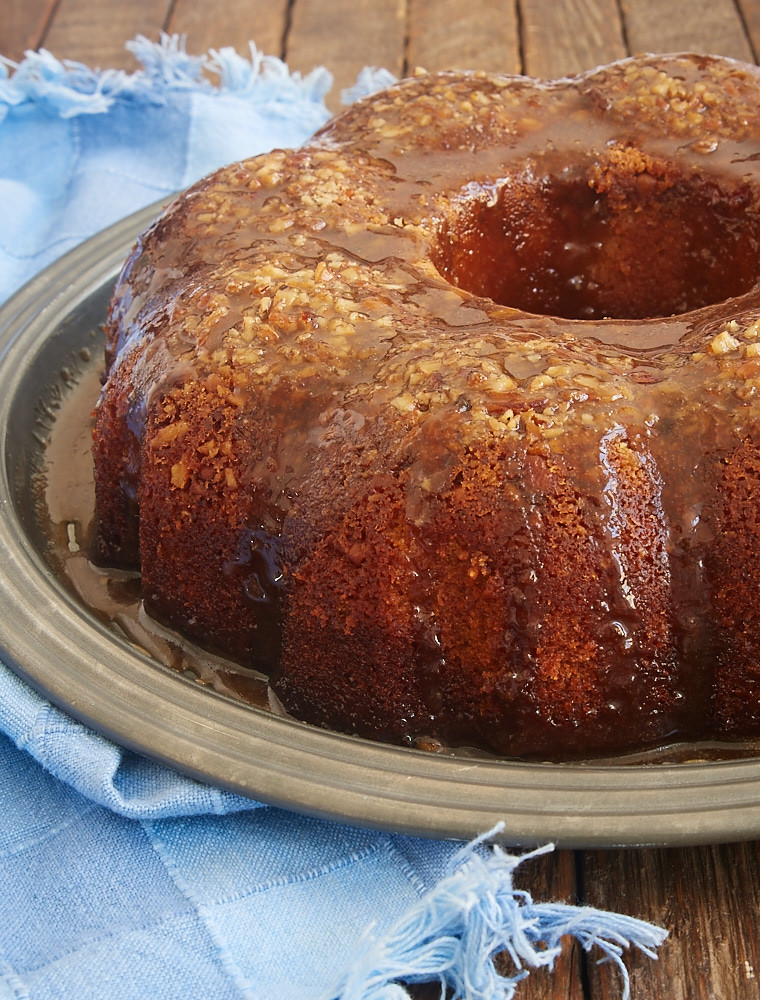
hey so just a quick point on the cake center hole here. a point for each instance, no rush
(633, 247)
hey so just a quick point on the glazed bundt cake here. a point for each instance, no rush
(449, 421)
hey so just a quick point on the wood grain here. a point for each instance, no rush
(22, 25)
(713, 26)
(708, 898)
(234, 23)
(551, 878)
(95, 31)
(566, 38)
(750, 14)
(447, 34)
(345, 36)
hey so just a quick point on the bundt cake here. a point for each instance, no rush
(450, 420)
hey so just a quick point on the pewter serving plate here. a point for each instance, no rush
(49, 638)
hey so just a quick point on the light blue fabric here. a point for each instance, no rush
(80, 150)
(118, 877)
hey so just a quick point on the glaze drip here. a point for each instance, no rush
(442, 416)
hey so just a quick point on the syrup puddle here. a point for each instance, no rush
(114, 596)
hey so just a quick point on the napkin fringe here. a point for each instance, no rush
(369, 81)
(66, 88)
(474, 914)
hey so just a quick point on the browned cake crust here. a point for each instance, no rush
(449, 419)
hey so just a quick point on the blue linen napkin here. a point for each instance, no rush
(120, 878)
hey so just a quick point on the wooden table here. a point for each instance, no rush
(708, 897)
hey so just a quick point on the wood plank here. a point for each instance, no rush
(566, 38)
(345, 36)
(551, 878)
(95, 31)
(707, 897)
(234, 23)
(712, 26)
(23, 25)
(750, 14)
(449, 34)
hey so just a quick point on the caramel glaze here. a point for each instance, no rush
(449, 419)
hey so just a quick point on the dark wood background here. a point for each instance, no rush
(708, 897)
(540, 37)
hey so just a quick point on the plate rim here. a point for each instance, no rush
(122, 694)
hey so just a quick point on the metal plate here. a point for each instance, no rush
(52, 641)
